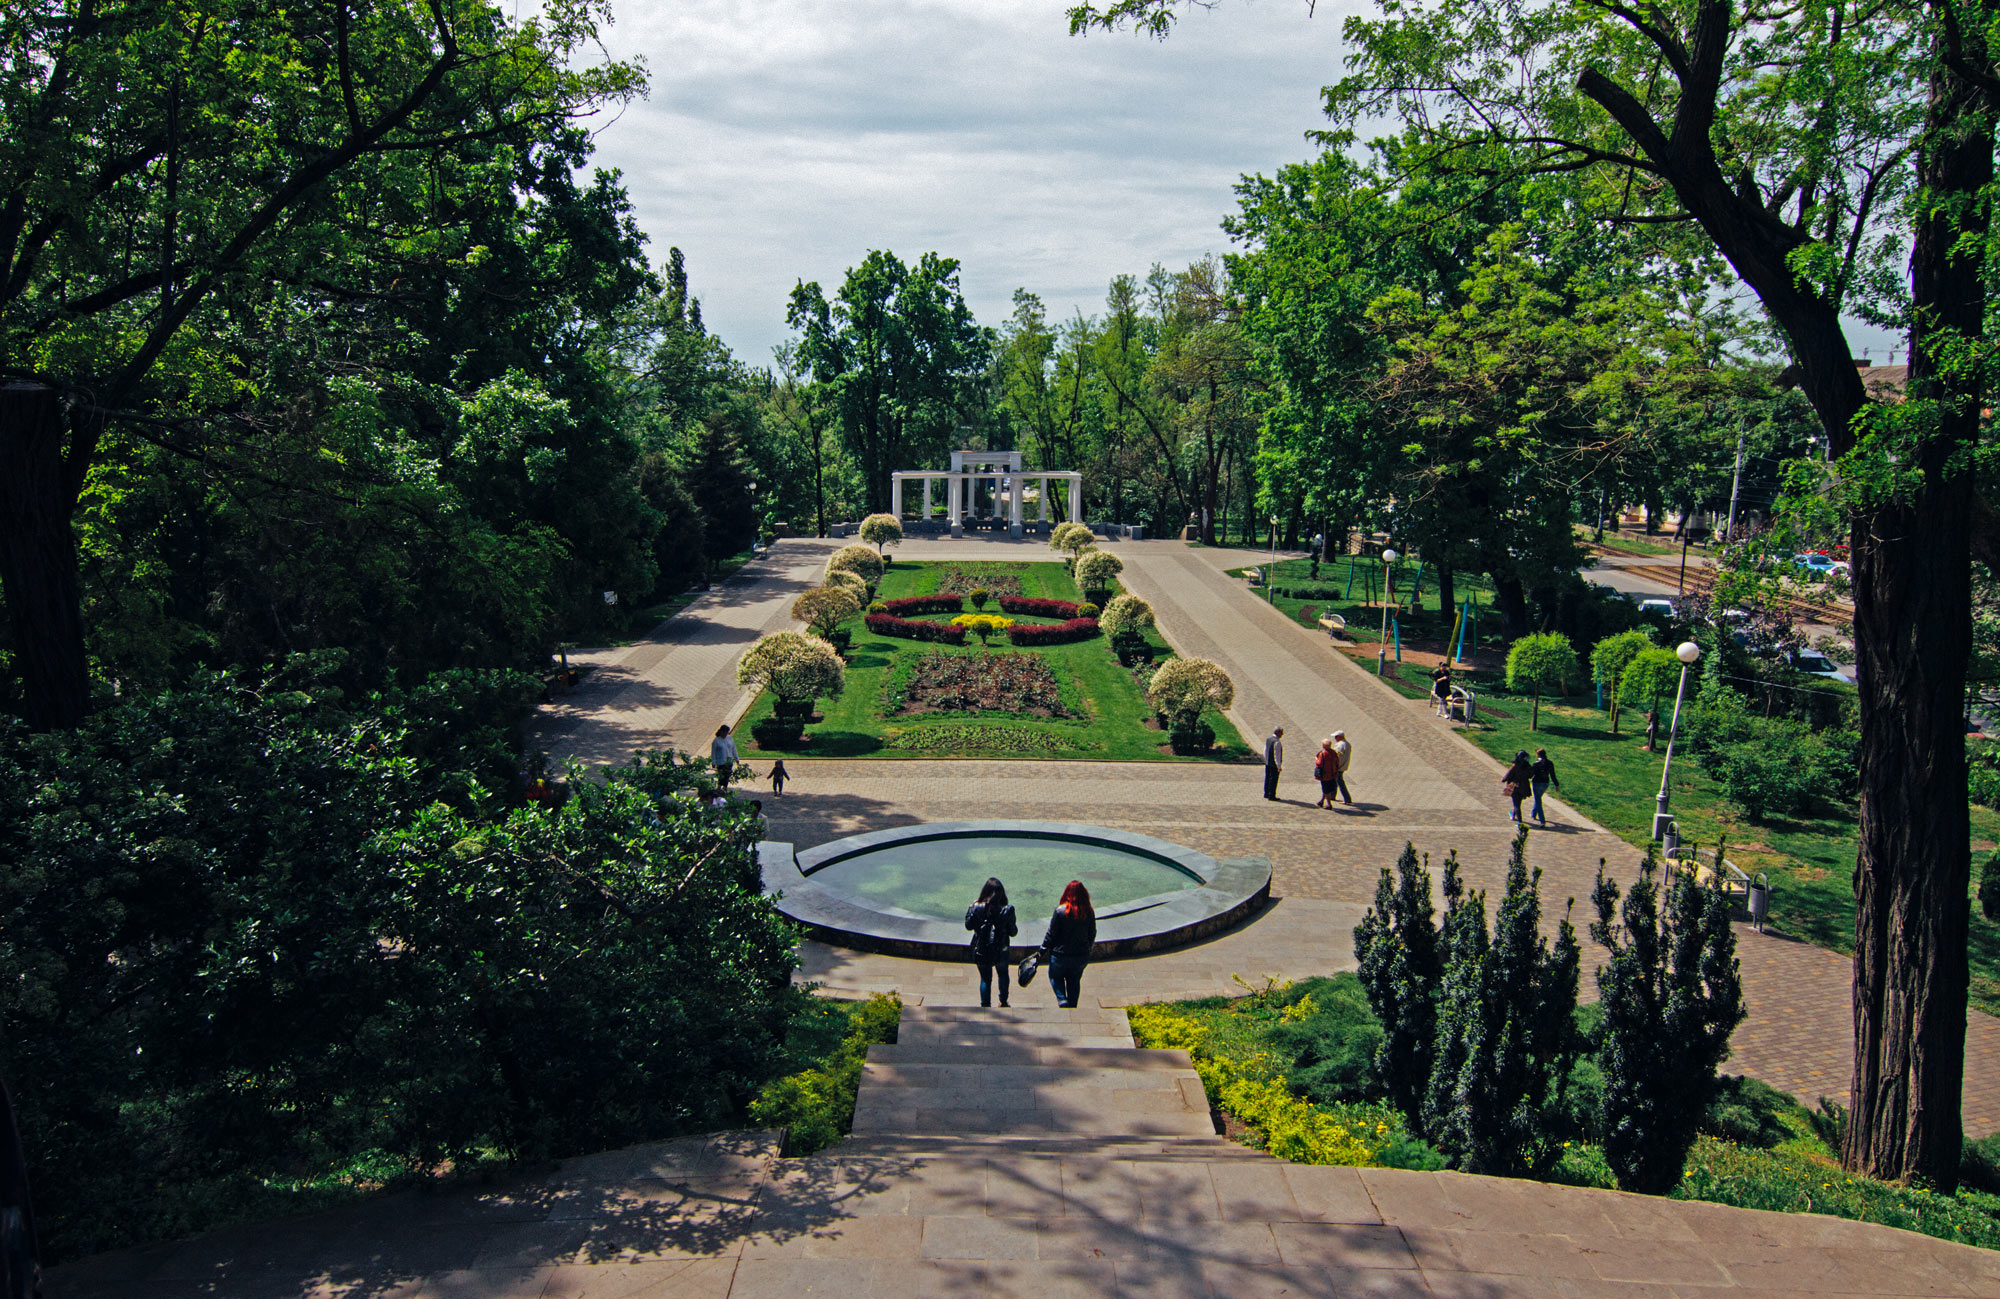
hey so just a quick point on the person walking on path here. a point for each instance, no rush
(1343, 755)
(991, 920)
(1515, 784)
(722, 755)
(1066, 945)
(1441, 688)
(1540, 776)
(778, 777)
(1274, 762)
(1326, 770)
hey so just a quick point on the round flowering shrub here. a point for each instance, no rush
(982, 625)
(795, 667)
(850, 579)
(1096, 568)
(1071, 539)
(859, 560)
(1126, 613)
(823, 608)
(881, 530)
(1087, 610)
(979, 596)
(1180, 691)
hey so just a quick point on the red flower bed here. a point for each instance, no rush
(923, 604)
(1038, 608)
(1062, 633)
(883, 624)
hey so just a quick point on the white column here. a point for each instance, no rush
(927, 499)
(954, 499)
(896, 495)
(1044, 494)
(1014, 507)
(1076, 497)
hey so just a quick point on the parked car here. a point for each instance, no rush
(1815, 563)
(1815, 664)
(1663, 607)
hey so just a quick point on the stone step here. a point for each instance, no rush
(976, 1043)
(963, 1124)
(1015, 1015)
(1180, 1149)
(1007, 1053)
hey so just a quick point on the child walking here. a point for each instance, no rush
(779, 776)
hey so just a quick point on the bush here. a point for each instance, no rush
(816, 1106)
(849, 579)
(1982, 771)
(1126, 614)
(1032, 608)
(794, 667)
(980, 595)
(822, 608)
(1087, 610)
(1307, 592)
(1072, 539)
(1989, 887)
(883, 624)
(1333, 1039)
(1181, 690)
(1770, 764)
(1131, 646)
(1191, 738)
(877, 606)
(1672, 995)
(776, 732)
(1747, 1112)
(859, 560)
(915, 604)
(1094, 569)
(880, 530)
(1062, 633)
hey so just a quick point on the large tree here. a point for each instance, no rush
(1810, 144)
(899, 353)
(163, 165)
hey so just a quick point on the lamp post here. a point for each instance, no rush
(1382, 651)
(1687, 653)
(1271, 570)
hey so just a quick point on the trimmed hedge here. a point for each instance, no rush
(924, 604)
(1039, 608)
(883, 624)
(1061, 634)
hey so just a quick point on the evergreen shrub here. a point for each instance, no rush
(815, 1106)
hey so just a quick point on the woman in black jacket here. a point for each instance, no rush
(993, 927)
(1066, 946)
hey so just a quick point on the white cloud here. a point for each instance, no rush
(783, 140)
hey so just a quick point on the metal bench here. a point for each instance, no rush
(1255, 576)
(1464, 704)
(1734, 882)
(1334, 624)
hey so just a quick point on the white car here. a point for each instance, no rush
(1815, 664)
(1665, 608)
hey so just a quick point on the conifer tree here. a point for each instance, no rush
(1506, 1034)
(1672, 994)
(1398, 948)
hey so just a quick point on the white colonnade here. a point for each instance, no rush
(1007, 482)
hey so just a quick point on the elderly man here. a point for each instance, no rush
(1274, 762)
(1343, 754)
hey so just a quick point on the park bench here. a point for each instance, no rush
(1703, 863)
(1464, 704)
(1334, 624)
(1255, 576)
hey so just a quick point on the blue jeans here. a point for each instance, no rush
(1540, 787)
(987, 969)
(1064, 977)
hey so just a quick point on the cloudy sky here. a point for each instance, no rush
(784, 139)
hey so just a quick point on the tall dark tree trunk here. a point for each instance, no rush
(45, 447)
(1447, 599)
(1512, 598)
(1913, 645)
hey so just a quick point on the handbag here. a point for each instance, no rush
(1029, 965)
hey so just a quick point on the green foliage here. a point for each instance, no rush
(1748, 1112)
(1540, 660)
(369, 951)
(1650, 676)
(1989, 887)
(1611, 656)
(1506, 1040)
(1072, 538)
(1096, 568)
(859, 560)
(880, 531)
(853, 581)
(1672, 995)
(816, 1106)
(795, 668)
(823, 608)
(1331, 1039)
(1770, 764)
(1982, 771)
(1396, 944)
(1182, 689)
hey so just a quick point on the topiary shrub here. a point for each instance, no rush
(1181, 690)
(911, 605)
(979, 596)
(877, 606)
(1131, 647)
(1087, 610)
(1126, 613)
(822, 608)
(1037, 608)
(859, 560)
(1672, 995)
(1062, 633)
(794, 667)
(847, 577)
(1072, 539)
(884, 624)
(775, 732)
(880, 531)
(1989, 888)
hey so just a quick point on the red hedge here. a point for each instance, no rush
(883, 624)
(924, 604)
(1062, 633)
(1038, 608)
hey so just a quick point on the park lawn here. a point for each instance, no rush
(1109, 700)
(1357, 579)
(1614, 781)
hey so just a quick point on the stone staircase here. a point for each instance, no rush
(1031, 1080)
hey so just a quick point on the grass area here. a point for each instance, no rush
(1628, 543)
(1289, 1067)
(815, 1105)
(1108, 701)
(1614, 781)
(1355, 583)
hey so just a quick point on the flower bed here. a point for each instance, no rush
(884, 624)
(1019, 604)
(995, 581)
(1015, 741)
(1006, 683)
(916, 604)
(1061, 633)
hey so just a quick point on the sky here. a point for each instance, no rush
(785, 139)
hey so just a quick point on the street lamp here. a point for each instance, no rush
(1663, 820)
(1271, 576)
(1382, 651)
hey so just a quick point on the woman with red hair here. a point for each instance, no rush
(1066, 946)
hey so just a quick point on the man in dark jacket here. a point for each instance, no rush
(1540, 776)
(1274, 762)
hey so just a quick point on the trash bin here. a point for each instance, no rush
(1760, 901)
(1670, 839)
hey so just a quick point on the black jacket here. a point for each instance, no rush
(1544, 769)
(1069, 936)
(990, 933)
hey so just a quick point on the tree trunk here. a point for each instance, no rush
(1913, 643)
(1512, 598)
(1447, 601)
(44, 449)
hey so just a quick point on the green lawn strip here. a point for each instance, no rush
(1109, 700)
(1614, 782)
(1353, 599)
(1308, 1036)
(815, 1105)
